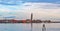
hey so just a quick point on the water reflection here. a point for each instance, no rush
(27, 27)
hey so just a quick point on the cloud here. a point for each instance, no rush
(10, 2)
(40, 10)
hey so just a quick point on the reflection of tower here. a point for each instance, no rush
(31, 21)
(43, 28)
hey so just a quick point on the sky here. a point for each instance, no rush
(21, 9)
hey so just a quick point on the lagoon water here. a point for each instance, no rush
(27, 27)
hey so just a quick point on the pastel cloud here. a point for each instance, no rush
(40, 10)
(10, 2)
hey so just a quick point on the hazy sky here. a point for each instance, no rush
(21, 9)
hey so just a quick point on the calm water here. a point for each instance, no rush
(27, 27)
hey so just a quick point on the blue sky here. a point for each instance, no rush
(15, 2)
(21, 9)
(48, 1)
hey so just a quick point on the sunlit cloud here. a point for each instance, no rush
(22, 10)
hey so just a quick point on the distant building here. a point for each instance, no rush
(28, 20)
(47, 21)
